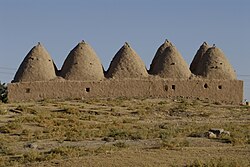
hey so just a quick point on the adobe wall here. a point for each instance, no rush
(82, 76)
(225, 91)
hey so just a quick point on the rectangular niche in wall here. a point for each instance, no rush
(87, 90)
(205, 85)
(27, 90)
(220, 87)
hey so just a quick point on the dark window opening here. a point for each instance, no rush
(166, 87)
(173, 87)
(220, 87)
(27, 90)
(87, 89)
(205, 86)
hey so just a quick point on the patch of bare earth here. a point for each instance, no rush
(123, 132)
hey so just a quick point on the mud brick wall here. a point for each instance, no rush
(225, 91)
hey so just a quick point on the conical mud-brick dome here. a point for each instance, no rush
(170, 64)
(82, 64)
(216, 66)
(127, 64)
(36, 66)
(194, 67)
(158, 54)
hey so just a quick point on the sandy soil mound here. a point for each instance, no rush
(216, 66)
(194, 67)
(169, 63)
(36, 66)
(82, 63)
(127, 64)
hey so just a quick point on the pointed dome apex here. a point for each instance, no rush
(159, 52)
(196, 63)
(204, 43)
(169, 64)
(214, 65)
(126, 44)
(126, 64)
(167, 42)
(82, 64)
(36, 66)
(82, 42)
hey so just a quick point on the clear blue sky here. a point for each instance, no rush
(106, 24)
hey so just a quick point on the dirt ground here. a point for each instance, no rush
(123, 132)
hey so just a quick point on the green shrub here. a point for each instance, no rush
(3, 92)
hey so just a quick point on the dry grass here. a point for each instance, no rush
(65, 130)
(218, 162)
